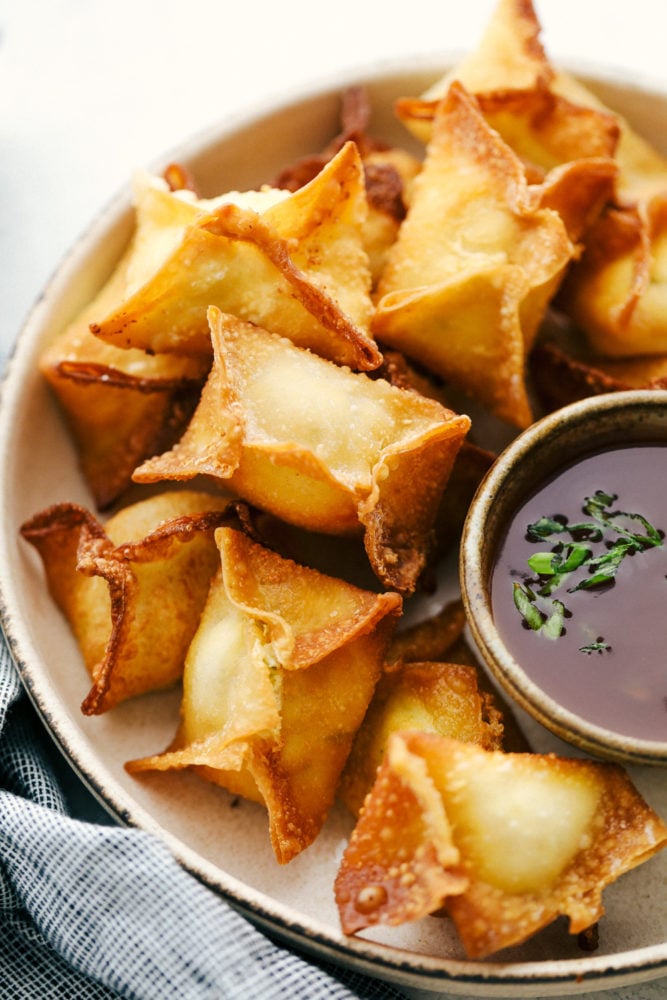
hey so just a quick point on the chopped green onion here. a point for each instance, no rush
(555, 623)
(545, 563)
(595, 647)
(552, 568)
(544, 528)
(524, 605)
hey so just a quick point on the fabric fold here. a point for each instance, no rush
(97, 911)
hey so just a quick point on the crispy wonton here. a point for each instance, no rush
(439, 698)
(277, 681)
(299, 268)
(441, 638)
(475, 264)
(515, 84)
(323, 448)
(565, 134)
(133, 589)
(642, 169)
(617, 291)
(526, 838)
(567, 145)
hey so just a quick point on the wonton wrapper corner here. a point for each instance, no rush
(529, 837)
(321, 447)
(388, 174)
(133, 589)
(509, 56)
(277, 680)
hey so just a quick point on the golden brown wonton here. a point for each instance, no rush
(475, 264)
(617, 292)
(297, 267)
(441, 638)
(439, 698)
(577, 155)
(516, 86)
(319, 446)
(572, 172)
(133, 589)
(523, 838)
(277, 681)
(587, 156)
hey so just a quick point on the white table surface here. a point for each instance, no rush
(89, 90)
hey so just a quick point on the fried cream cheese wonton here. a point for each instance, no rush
(277, 680)
(516, 86)
(299, 268)
(319, 446)
(132, 590)
(433, 697)
(617, 291)
(527, 837)
(475, 265)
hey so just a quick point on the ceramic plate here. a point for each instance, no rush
(225, 843)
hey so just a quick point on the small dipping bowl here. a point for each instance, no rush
(536, 456)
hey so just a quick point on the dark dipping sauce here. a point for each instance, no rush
(622, 683)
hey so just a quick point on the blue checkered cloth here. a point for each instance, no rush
(92, 910)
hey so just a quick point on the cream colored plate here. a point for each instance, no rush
(223, 843)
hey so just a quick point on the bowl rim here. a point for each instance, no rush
(473, 570)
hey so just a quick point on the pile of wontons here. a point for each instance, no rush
(280, 360)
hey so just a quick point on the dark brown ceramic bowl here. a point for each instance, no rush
(547, 446)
